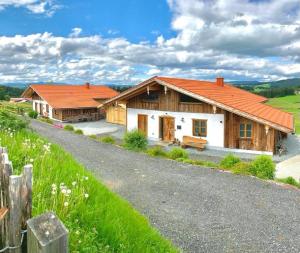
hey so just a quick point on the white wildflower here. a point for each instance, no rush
(66, 204)
(86, 195)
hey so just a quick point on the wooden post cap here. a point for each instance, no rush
(48, 233)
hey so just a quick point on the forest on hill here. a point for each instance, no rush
(271, 89)
(7, 92)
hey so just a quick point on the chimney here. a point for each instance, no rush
(220, 81)
(87, 85)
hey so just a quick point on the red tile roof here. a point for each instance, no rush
(71, 96)
(234, 98)
(228, 97)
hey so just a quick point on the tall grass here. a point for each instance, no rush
(98, 220)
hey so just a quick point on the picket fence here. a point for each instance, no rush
(19, 233)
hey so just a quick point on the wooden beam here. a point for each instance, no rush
(3, 212)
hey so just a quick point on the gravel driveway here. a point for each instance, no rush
(199, 209)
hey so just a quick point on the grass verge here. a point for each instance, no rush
(98, 220)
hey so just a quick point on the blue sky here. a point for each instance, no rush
(125, 42)
(134, 19)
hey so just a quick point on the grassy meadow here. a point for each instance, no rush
(289, 104)
(98, 219)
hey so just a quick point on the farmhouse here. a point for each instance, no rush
(69, 103)
(216, 114)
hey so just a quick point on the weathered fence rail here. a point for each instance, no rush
(15, 214)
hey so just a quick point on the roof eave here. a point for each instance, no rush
(227, 108)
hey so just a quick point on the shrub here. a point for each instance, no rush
(289, 180)
(135, 140)
(78, 131)
(32, 114)
(157, 151)
(263, 167)
(69, 127)
(241, 168)
(10, 121)
(229, 161)
(176, 153)
(108, 139)
(93, 136)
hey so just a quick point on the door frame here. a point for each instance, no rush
(161, 127)
(146, 127)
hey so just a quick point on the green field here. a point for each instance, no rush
(289, 104)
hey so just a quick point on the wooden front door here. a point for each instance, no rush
(143, 123)
(168, 129)
(41, 109)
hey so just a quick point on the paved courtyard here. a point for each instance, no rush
(198, 209)
(100, 127)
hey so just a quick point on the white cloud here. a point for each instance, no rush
(75, 32)
(236, 39)
(46, 7)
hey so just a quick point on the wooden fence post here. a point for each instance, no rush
(14, 215)
(26, 194)
(5, 173)
(46, 234)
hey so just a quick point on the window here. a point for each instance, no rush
(200, 127)
(187, 99)
(245, 130)
(47, 108)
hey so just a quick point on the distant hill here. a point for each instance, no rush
(294, 82)
(268, 89)
(7, 92)
(15, 85)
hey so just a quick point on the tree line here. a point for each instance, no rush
(272, 92)
(7, 92)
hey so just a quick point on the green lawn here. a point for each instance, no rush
(98, 219)
(290, 104)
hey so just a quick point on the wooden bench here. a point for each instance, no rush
(193, 142)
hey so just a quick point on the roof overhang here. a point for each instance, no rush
(128, 92)
(28, 93)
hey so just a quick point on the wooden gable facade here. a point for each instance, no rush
(159, 98)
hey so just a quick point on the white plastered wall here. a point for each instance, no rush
(215, 124)
(44, 103)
